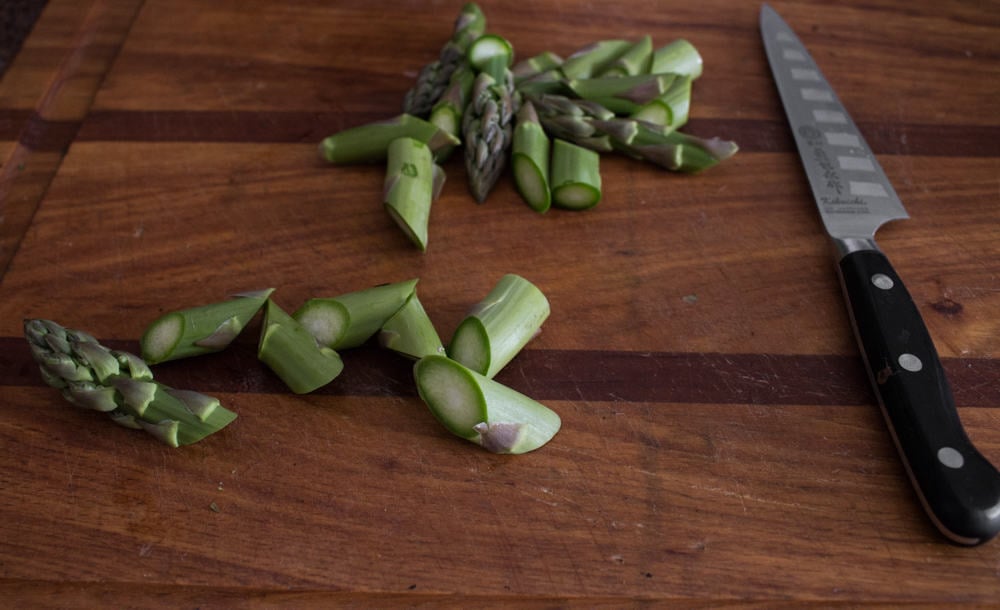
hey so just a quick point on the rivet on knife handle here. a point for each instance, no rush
(959, 488)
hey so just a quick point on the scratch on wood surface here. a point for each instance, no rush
(743, 497)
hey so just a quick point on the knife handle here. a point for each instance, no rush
(958, 487)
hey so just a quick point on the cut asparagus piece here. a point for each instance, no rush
(500, 325)
(410, 331)
(677, 151)
(288, 349)
(434, 77)
(545, 62)
(409, 188)
(200, 330)
(639, 89)
(482, 410)
(592, 58)
(370, 142)
(530, 159)
(635, 59)
(447, 112)
(487, 48)
(576, 176)
(678, 57)
(350, 319)
(487, 126)
(91, 376)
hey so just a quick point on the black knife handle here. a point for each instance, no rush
(959, 488)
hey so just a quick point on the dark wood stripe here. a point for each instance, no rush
(753, 135)
(568, 375)
(36, 133)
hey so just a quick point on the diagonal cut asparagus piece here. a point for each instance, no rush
(638, 89)
(200, 330)
(678, 57)
(434, 77)
(677, 151)
(91, 376)
(409, 188)
(481, 410)
(349, 320)
(288, 349)
(635, 59)
(669, 109)
(448, 111)
(532, 67)
(370, 142)
(576, 176)
(591, 59)
(530, 159)
(410, 331)
(496, 328)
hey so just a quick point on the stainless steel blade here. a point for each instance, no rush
(852, 192)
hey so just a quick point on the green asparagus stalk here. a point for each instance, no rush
(671, 108)
(487, 126)
(482, 410)
(409, 188)
(591, 59)
(678, 57)
(370, 142)
(351, 319)
(91, 376)
(487, 48)
(200, 330)
(638, 89)
(635, 59)
(550, 81)
(576, 176)
(545, 62)
(435, 76)
(447, 112)
(677, 151)
(289, 350)
(499, 326)
(530, 159)
(410, 331)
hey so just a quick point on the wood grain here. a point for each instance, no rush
(720, 445)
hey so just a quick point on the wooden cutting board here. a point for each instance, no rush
(720, 444)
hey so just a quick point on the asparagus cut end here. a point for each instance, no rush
(489, 47)
(451, 393)
(161, 338)
(576, 196)
(470, 345)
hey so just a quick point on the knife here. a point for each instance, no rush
(957, 486)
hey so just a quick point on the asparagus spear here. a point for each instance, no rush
(678, 57)
(576, 176)
(592, 58)
(410, 331)
(500, 325)
(435, 76)
(350, 319)
(634, 60)
(120, 384)
(370, 142)
(677, 151)
(532, 67)
(530, 158)
(487, 48)
(410, 188)
(447, 112)
(486, 127)
(482, 410)
(288, 349)
(200, 330)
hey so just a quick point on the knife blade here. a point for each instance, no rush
(957, 486)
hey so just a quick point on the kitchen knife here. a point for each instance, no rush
(958, 487)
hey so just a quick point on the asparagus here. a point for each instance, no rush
(489, 47)
(410, 331)
(533, 67)
(351, 319)
(486, 127)
(678, 57)
(677, 151)
(591, 59)
(500, 325)
(669, 109)
(411, 183)
(199, 330)
(638, 89)
(288, 349)
(482, 410)
(576, 176)
(447, 112)
(370, 142)
(118, 383)
(634, 60)
(530, 159)
(435, 76)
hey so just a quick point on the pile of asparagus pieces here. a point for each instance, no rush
(552, 117)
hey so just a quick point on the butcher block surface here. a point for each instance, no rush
(720, 444)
